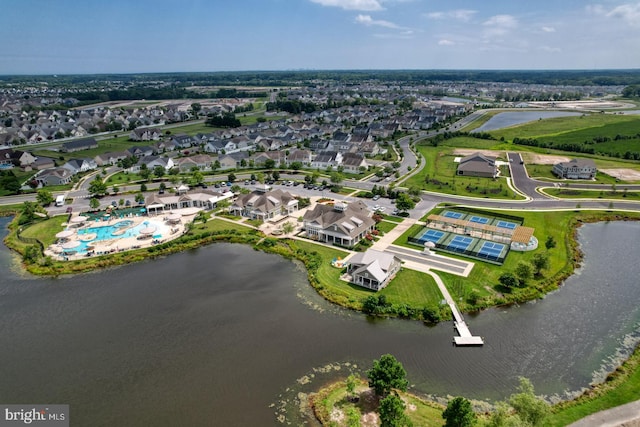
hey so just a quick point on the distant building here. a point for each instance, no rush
(81, 144)
(479, 165)
(263, 204)
(576, 169)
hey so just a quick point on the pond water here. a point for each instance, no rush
(512, 118)
(225, 335)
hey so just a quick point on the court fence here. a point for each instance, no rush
(441, 247)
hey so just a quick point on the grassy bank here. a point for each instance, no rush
(332, 407)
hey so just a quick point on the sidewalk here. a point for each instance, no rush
(626, 415)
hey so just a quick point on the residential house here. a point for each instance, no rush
(233, 160)
(327, 159)
(342, 224)
(220, 146)
(141, 151)
(55, 176)
(301, 156)
(41, 163)
(260, 159)
(576, 169)
(479, 165)
(184, 141)
(373, 269)
(79, 145)
(80, 165)
(187, 164)
(264, 204)
(110, 158)
(352, 162)
(145, 134)
(152, 161)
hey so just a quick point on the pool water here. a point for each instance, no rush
(117, 231)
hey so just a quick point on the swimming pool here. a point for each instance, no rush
(119, 230)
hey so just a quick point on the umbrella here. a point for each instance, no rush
(430, 244)
(174, 217)
(148, 230)
(78, 219)
(64, 234)
(70, 245)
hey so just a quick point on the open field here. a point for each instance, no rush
(440, 170)
(605, 134)
(619, 194)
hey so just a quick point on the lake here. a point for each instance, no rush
(512, 118)
(225, 335)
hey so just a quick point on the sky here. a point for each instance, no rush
(135, 36)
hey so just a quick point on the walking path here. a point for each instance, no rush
(621, 416)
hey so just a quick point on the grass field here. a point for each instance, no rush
(566, 193)
(440, 170)
(386, 226)
(582, 130)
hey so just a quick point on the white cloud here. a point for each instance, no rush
(368, 21)
(463, 15)
(630, 13)
(364, 5)
(501, 21)
(550, 49)
(548, 29)
(445, 42)
(499, 25)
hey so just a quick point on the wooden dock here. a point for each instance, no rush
(465, 338)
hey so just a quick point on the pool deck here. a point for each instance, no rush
(118, 243)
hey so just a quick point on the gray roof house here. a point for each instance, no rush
(145, 134)
(352, 162)
(110, 158)
(342, 224)
(263, 204)
(199, 161)
(373, 269)
(81, 144)
(478, 164)
(576, 169)
(80, 165)
(55, 176)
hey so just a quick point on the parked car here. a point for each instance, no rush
(376, 197)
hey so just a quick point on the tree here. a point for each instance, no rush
(231, 177)
(387, 374)
(97, 187)
(94, 203)
(350, 383)
(115, 189)
(392, 414)
(296, 166)
(44, 197)
(159, 171)
(143, 187)
(198, 178)
(216, 165)
(404, 202)
(524, 272)
(196, 107)
(269, 164)
(540, 262)
(275, 175)
(29, 210)
(550, 243)
(459, 413)
(530, 408)
(163, 186)
(336, 177)
(508, 280)
(139, 198)
(144, 173)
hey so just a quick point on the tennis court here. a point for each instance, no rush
(491, 250)
(460, 243)
(479, 219)
(431, 236)
(452, 214)
(506, 224)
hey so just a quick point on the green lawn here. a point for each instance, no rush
(439, 173)
(45, 231)
(619, 194)
(386, 226)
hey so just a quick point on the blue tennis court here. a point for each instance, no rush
(431, 236)
(459, 243)
(491, 250)
(506, 224)
(479, 219)
(451, 214)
